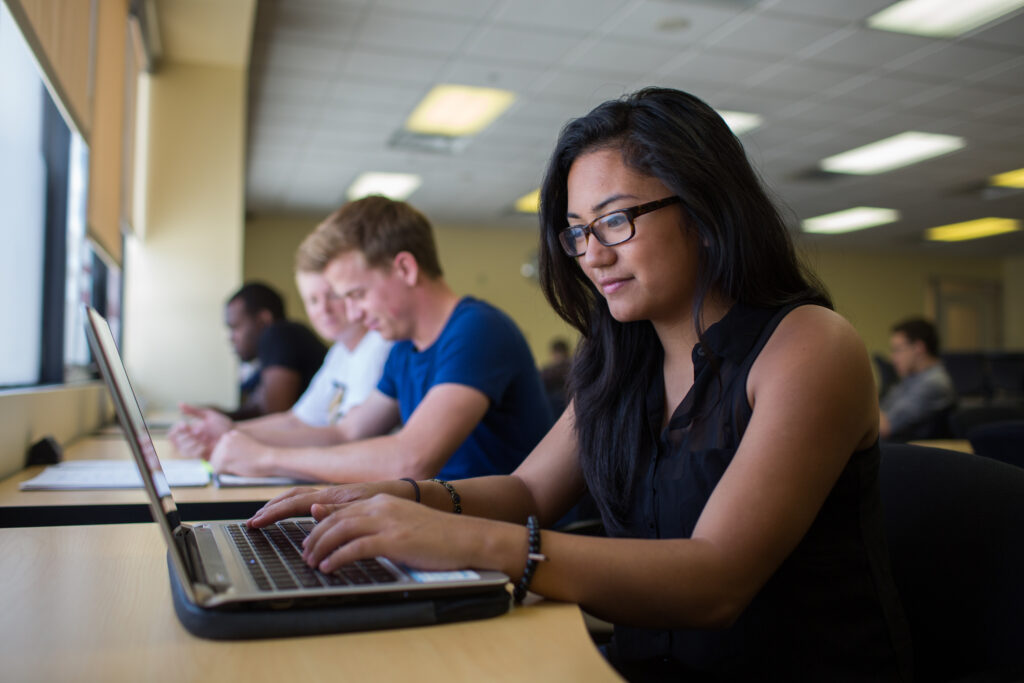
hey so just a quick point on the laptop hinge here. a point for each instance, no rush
(185, 539)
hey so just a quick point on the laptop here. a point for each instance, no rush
(229, 581)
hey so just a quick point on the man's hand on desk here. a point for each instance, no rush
(238, 453)
(197, 437)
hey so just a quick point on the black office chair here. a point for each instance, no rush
(970, 374)
(963, 420)
(1007, 375)
(887, 376)
(1003, 441)
(955, 528)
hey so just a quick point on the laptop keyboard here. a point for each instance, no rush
(274, 558)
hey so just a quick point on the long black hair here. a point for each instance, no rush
(745, 255)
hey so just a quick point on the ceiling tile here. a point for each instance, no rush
(468, 9)
(837, 10)
(769, 35)
(393, 30)
(957, 61)
(868, 48)
(693, 22)
(485, 73)
(586, 89)
(392, 66)
(519, 46)
(571, 16)
(628, 58)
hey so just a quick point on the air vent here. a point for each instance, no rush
(434, 144)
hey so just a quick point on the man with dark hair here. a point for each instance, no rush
(460, 394)
(284, 354)
(916, 407)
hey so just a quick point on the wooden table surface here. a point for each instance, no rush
(93, 603)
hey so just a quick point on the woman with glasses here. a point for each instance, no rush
(723, 417)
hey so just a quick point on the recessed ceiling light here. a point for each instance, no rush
(458, 110)
(740, 121)
(529, 202)
(940, 18)
(857, 218)
(972, 230)
(397, 186)
(1008, 179)
(892, 153)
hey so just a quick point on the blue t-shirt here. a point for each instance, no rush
(479, 347)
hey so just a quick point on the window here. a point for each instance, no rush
(23, 196)
(48, 267)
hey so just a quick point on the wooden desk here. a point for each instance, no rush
(962, 445)
(93, 603)
(28, 508)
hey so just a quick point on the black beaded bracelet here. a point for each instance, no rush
(456, 499)
(533, 556)
(415, 486)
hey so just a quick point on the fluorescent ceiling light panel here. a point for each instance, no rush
(972, 230)
(458, 110)
(1008, 179)
(529, 202)
(397, 186)
(740, 121)
(892, 153)
(940, 18)
(857, 218)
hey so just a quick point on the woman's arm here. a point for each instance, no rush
(547, 484)
(813, 400)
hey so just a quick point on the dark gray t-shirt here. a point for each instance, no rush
(918, 399)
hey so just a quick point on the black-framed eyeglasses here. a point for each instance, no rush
(610, 229)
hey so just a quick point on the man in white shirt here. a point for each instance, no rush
(348, 376)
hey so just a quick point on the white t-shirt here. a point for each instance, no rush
(345, 380)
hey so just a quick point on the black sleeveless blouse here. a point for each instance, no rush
(831, 611)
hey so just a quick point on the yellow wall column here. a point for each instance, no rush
(187, 256)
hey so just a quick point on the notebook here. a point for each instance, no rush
(74, 475)
(226, 582)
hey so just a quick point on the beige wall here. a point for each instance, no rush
(61, 412)
(188, 256)
(1013, 303)
(484, 263)
(875, 290)
(872, 290)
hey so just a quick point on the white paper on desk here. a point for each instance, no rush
(80, 475)
(229, 480)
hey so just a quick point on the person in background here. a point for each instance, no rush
(555, 374)
(284, 354)
(349, 374)
(460, 394)
(735, 468)
(918, 406)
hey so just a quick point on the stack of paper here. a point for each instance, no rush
(114, 474)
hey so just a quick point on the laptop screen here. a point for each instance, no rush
(130, 416)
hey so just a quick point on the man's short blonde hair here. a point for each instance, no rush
(379, 228)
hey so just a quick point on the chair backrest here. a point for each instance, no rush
(1003, 441)
(963, 420)
(969, 372)
(955, 529)
(887, 376)
(1007, 373)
